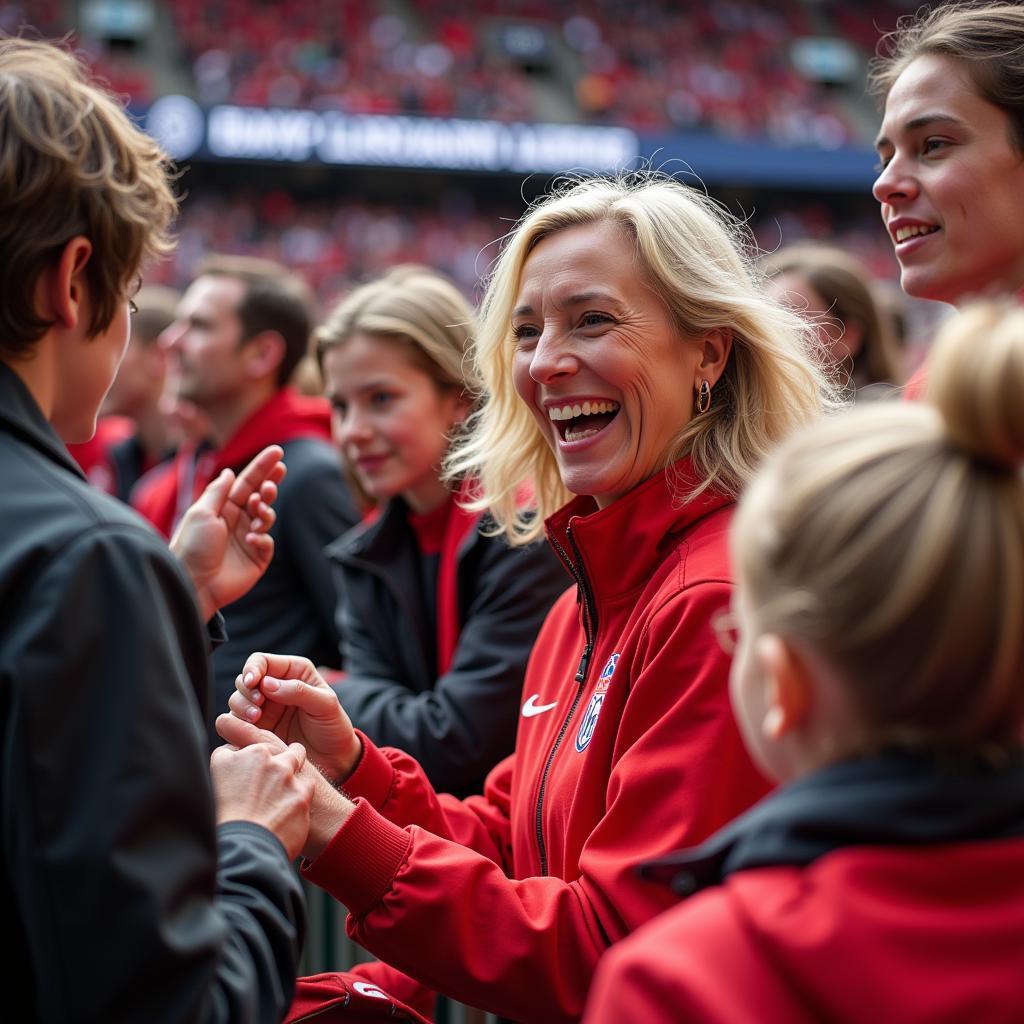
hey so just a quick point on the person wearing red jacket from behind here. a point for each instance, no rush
(628, 358)
(880, 563)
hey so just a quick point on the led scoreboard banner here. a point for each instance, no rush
(333, 138)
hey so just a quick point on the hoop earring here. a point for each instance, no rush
(704, 397)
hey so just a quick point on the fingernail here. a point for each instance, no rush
(271, 685)
(252, 714)
(247, 678)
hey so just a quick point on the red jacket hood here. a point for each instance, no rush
(287, 416)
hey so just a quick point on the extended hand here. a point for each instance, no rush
(222, 541)
(290, 698)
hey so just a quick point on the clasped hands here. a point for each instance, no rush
(280, 703)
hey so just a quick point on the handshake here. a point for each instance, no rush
(282, 773)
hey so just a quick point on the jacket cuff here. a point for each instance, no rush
(216, 632)
(359, 864)
(374, 776)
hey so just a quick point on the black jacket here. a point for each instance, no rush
(119, 900)
(460, 725)
(292, 608)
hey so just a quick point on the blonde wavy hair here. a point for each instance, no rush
(890, 539)
(72, 163)
(701, 263)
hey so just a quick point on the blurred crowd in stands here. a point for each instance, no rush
(654, 65)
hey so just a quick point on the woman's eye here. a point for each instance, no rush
(523, 332)
(931, 145)
(381, 397)
(594, 319)
(338, 407)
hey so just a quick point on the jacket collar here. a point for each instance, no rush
(377, 540)
(20, 413)
(893, 799)
(285, 416)
(621, 544)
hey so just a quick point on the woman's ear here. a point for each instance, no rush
(715, 349)
(790, 695)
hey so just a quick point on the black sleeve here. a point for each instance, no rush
(108, 831)
(467, 723)
(314, 509)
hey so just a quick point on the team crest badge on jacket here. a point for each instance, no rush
(589, 721)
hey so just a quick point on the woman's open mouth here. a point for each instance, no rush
(580, 420)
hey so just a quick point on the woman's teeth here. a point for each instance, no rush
(569, 412)
(912, 230)
(578, 433)
(580, 420)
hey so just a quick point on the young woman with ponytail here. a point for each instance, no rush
(879, 671)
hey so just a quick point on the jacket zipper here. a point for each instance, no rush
(589, 630)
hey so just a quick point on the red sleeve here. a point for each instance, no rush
(527, 949)
(395, 785)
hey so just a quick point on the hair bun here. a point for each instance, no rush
(976, 379)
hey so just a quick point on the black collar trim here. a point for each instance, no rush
(895, 799)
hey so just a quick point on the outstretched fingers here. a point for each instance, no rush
(265, 469)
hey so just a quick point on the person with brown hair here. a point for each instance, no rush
(951, 148)
(880, 570)
(130, 889)
(836, 294)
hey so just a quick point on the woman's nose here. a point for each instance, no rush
(553, 358)
(895, 182)
(350, 427)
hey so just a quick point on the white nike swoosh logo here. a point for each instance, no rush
(531, 707)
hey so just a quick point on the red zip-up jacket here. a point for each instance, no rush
(880, 916)
(627, 748)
